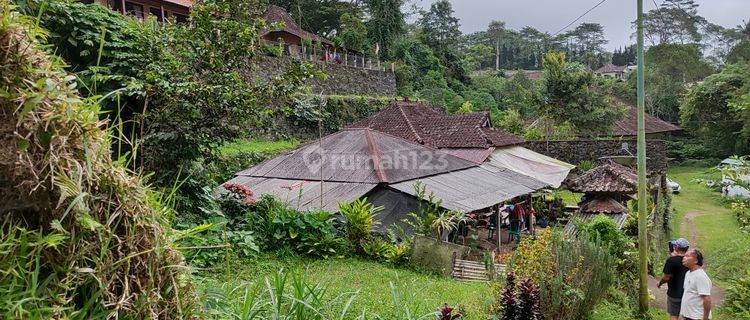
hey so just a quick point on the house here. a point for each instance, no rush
(290, 33)
(163, 10)
(615, 72)
(467, 136)
(361, 162)
(627, 126)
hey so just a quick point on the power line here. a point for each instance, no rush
(579, 17)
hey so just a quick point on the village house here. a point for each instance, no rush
(163, 10)
(615, 72)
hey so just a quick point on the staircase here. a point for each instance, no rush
(473, 270)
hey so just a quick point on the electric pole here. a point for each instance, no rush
(642, 197)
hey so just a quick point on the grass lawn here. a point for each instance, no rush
(719, 236)
(258, 145)
(423, 293)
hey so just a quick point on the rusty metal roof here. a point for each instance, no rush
(305, 194)
(474, 188)
(360, 156)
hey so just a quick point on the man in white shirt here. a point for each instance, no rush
(696, 299)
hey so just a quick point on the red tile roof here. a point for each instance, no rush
(608, 178)
(610, 68)
(276, 14)
(423, 124)
(628, 125)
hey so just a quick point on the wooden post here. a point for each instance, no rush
(346, 58)
(163, 18)
(393, 67)
(122, 6)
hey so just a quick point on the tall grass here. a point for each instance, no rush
(290, 295)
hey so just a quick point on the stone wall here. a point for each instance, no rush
(576, 151)
(341, 80)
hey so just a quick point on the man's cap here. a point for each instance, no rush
(681, 243)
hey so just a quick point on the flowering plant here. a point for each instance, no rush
(241, 192)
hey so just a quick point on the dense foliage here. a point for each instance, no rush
(572, 274)
(81, 236)
(717, 111)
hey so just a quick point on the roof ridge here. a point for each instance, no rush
(375, 156)
(408, 122)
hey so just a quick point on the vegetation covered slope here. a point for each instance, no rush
(81, 237)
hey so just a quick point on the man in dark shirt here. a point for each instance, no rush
(674, 277)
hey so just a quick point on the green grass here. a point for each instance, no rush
(258, 145)
(719, 237)
(569, 198)
(422, 292)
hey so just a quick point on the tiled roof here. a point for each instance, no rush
(423, 124)
(628, 125)
(276, 14)
(610, 68)
(603, 205)
(607, 178)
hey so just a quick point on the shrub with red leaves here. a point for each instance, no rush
(508, 301)
(528, 301)
(241, 192)
(446, 313)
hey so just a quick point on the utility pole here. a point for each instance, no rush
(642, 197)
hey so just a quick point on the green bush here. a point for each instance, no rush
(604, 230)
(738, 297)
(573, 274)
(309, 233)
(359, 216)
(384, 251)
(741, 208)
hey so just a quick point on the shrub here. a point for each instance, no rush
(741, 208)
(384, 251)
(738, 297)
(309, 233)
(573, 274)
(360, 220)
(521, 302)
(605, 230)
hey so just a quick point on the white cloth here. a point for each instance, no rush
(697, 284)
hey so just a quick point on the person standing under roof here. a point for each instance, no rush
(674, 277)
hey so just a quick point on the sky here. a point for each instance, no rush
(552, 15)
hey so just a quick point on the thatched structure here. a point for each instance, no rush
(79, 232)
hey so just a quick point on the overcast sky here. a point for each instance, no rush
(551, 15)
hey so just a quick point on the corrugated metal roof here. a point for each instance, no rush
(305, 194)
(571, 228)
(361, 156)
(474, 188)
(603, 205)
(476, 155)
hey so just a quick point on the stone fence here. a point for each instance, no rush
(341, 80)
(576, 151)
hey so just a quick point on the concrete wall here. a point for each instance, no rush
(576, 151)
(341, 80)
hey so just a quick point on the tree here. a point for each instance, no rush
(590, 41)
(321, 17)
(385, 24)
(569, 96)
(476, 55)
(496, 31)
(675, 21)
(718, 111)
(440, 27)
(353, 32)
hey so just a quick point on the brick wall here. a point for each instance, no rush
(576, 151)
(341, 80)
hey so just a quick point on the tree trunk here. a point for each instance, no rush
(497, 55)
